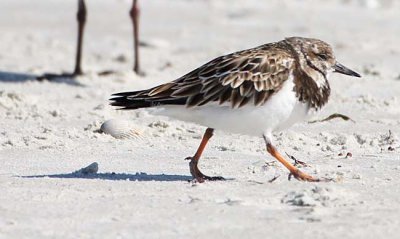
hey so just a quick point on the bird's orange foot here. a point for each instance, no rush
(299, 175)
(198, 176)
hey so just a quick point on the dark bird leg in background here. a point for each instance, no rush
(134, 13)
(81, 17)
(194, 170)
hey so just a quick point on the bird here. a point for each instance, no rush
(257, 92)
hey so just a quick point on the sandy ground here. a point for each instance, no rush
(48, 130)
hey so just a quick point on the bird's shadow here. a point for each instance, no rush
(117, 176)
(16, 77)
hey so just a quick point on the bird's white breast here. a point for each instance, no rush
(281, 111)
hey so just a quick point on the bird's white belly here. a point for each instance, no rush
(280, 111)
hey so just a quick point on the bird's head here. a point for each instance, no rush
(316, 57)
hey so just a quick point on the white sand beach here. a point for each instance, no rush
(142, 189)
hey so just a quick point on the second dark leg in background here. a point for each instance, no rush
(134, 13)
(81, 17)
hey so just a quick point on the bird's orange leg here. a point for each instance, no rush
(194, 170)
(293, 170)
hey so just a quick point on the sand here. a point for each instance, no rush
(139, 188)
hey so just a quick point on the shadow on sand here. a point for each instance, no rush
(15, 77)
(117, 176)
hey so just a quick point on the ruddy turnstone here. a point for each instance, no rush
(257, 91)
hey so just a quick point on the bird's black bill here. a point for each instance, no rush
(339, 68)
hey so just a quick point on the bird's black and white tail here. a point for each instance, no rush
(153, 97)
(128, 100)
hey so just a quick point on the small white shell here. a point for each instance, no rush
(120, 129)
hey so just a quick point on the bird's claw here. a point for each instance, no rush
(203, 178)
(299, 175)
(198, 176)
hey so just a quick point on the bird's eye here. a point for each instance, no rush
(322, 56)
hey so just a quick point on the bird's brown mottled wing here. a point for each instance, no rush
(245, 77)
